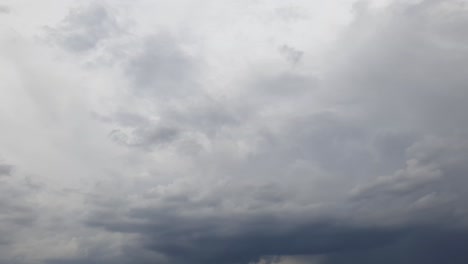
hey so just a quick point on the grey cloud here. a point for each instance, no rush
(286, 84)
(17, 212)
(146, 138)
(6, 169)
(291, 13)
(419, 92)
(415, 246)
(426, 190)
(401, 85)
(389, 147)
(161, 68)
(197, 116)
(414, 175)
(244, 238)
(4, 9)
(130, 119)
(291, 54)
(123, 118)
(204, 115)
(84, 28)
(247, 238)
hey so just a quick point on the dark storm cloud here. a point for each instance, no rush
(84, 28)
(244, 238)
(247, 238)
(427, 246)
(126, 255)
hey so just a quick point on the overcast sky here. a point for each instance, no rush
(233, 132)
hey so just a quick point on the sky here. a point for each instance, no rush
(233, 132)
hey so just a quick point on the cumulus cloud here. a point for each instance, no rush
(187, 139)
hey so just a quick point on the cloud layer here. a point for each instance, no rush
(242, 132)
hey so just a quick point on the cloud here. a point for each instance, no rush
(4, 9)
(386, 93)
(199, 144)
(291, 54)
(6, 169)
(17, 210)
(416, 246)
(84, 28)
(146, 138)
(245, 238)
(161, 68)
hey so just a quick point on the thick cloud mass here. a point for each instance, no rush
(248, 132)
